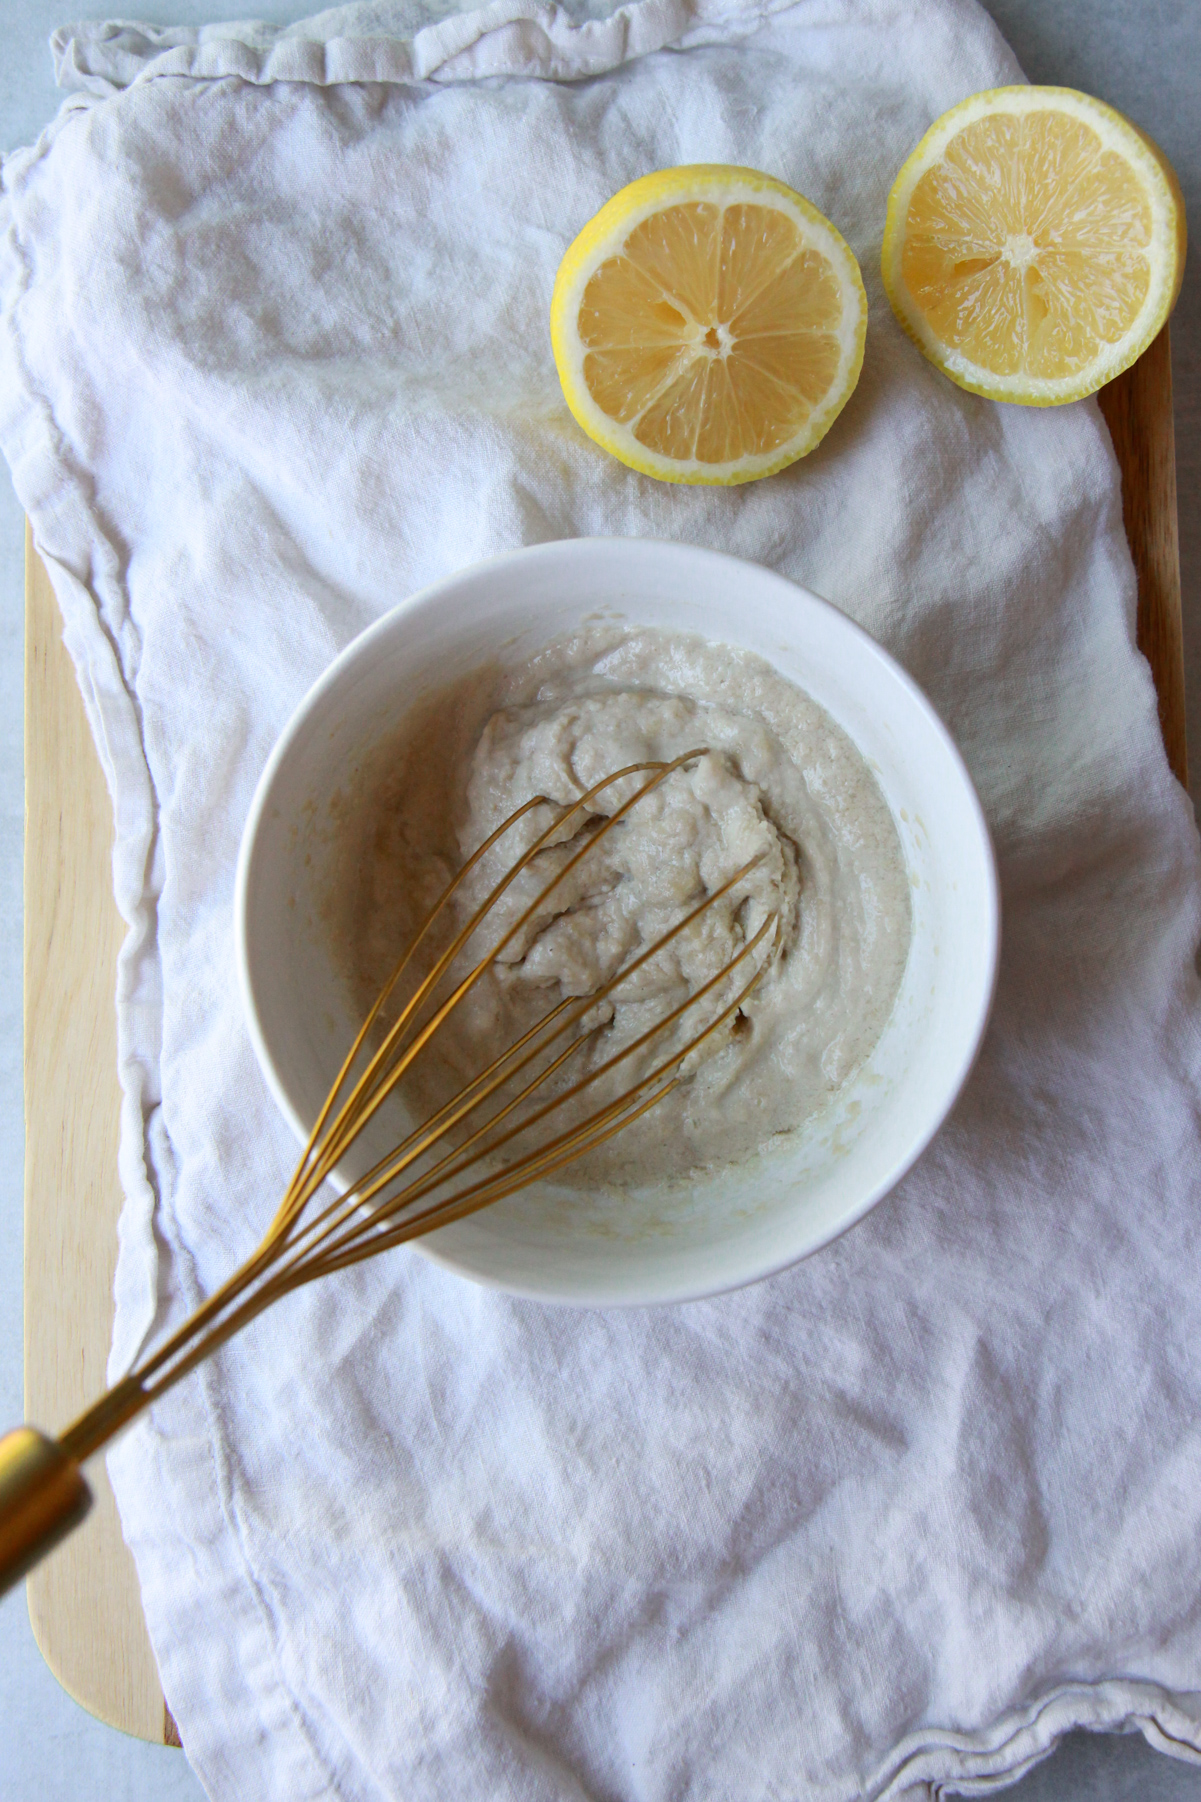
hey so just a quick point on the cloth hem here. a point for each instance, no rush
(505, 38)
(933, 1764)
(78, 558)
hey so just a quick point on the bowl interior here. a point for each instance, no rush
(693, 1238)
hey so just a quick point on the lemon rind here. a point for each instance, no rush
(602, 237)
(1166, 252)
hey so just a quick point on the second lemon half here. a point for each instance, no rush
(708, 325)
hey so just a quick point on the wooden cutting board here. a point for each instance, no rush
(83, 1601)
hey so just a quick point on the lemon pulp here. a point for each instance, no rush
(1034, 244)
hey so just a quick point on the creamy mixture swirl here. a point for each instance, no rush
(779, 788)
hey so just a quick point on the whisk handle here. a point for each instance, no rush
(42, 1496)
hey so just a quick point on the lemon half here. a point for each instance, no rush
(708, 325)
(1034, 244)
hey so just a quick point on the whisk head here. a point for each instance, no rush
(527, 1113)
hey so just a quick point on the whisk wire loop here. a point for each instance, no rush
(383, 1075)
(479, 1091)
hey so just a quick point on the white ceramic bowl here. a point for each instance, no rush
(664, 1244)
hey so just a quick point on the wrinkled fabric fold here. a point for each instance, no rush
(508, 38)
(274, 354)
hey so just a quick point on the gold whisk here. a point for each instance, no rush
(43, 1493)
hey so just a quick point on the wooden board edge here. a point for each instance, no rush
(1137, 406)
(84, 1602)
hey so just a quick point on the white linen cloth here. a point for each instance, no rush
(273, 353)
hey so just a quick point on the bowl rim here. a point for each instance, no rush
(990, 924)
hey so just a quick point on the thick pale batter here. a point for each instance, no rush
(780, 783)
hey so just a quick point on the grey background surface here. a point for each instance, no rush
(1144, 56)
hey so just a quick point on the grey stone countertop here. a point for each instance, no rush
(1144, 56)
